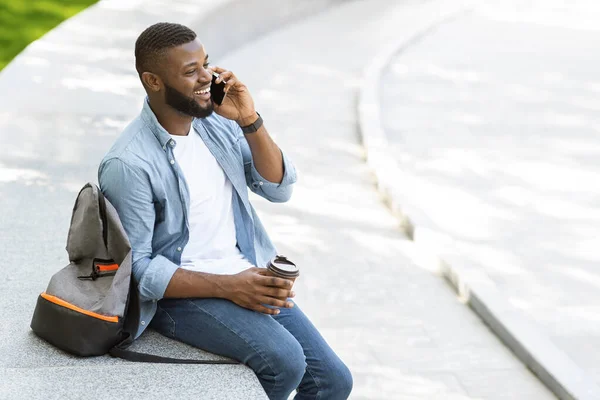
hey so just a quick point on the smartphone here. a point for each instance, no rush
(217, 90)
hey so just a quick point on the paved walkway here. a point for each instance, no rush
(497, 114)
(402, 330)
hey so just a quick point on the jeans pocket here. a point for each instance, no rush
(163, 323)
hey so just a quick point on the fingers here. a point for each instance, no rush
(276, 302)
(231, 83)
(224, 76)
(273, 281)
(262, 292)
(266, 279)
(229, 79)
(277, 293)
(265, 310)
(217, 69)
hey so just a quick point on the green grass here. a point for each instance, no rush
(23, 21)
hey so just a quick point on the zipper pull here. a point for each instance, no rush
(91, 277)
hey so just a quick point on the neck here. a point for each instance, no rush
(172, 120)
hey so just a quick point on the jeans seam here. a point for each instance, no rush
(241, 337)
(171, 318)
(317, 383)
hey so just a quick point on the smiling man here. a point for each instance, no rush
(179, 176)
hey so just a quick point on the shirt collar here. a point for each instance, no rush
(151, 121)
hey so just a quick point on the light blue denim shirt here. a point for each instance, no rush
(142, 180)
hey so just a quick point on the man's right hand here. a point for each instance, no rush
(254, 287)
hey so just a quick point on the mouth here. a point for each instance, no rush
(203, 94)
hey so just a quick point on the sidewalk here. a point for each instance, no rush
(401, 329)
(511, 154)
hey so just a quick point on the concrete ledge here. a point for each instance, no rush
(402, 192)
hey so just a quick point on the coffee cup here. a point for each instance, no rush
(281, 267)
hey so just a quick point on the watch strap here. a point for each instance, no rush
(254, 126)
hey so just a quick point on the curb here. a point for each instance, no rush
(551, 365)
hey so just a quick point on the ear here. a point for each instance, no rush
(152, 81)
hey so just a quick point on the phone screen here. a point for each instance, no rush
(217, 90)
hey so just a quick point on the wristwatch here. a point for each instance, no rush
(253, 127)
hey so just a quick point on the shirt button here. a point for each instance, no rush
(172, 143)
(179, 249)
(172, 162)
(260, 183)
(143, 322)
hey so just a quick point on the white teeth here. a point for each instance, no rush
(203, 91)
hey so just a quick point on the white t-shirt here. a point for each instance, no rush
(212, 243)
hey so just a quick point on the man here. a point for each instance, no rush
(178, 177)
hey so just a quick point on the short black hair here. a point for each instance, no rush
(152, 44)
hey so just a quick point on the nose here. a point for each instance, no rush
(205, 76)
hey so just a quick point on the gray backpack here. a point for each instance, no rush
(91, 306)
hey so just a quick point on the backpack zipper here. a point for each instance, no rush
(100, 269)
(66, 304)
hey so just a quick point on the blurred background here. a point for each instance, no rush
(486, 113)
(22, 22)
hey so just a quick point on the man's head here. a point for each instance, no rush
(171, 63)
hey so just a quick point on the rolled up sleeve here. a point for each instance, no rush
(129, 191)
(275, 192)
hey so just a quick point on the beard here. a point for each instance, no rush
(187, 105)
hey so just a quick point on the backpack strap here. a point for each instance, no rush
(151, 358)
(129, 329)
(103, 216)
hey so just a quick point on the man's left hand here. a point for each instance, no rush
(237, 104)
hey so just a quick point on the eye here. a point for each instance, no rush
(206, 64)
(190, 72)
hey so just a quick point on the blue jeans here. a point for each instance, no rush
(285, 351)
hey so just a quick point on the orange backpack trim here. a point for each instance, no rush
(60, 302)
